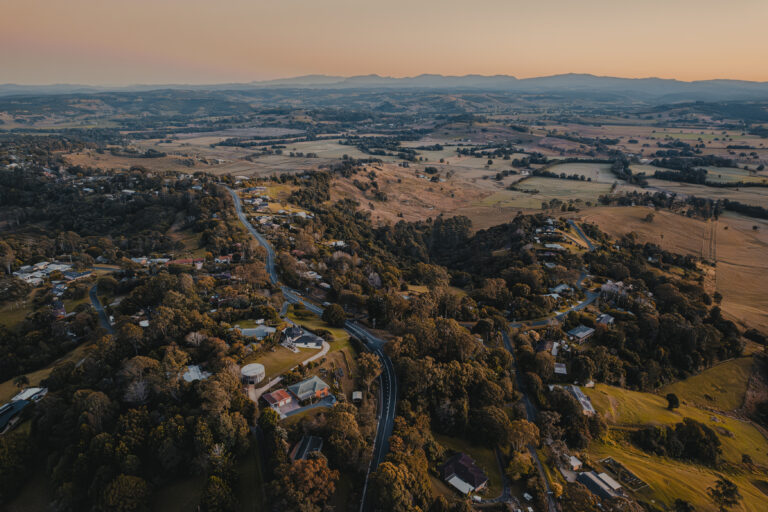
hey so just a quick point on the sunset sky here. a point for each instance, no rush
(214, 41)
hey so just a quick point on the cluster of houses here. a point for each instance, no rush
(39, 272)
(198, 263)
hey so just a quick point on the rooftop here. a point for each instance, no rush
(462, 472)
(307, 388)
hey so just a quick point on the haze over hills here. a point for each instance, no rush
(645, 89)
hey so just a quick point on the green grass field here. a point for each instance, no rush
(280, 361)
(629, 409)
(600, 173)
(484, 457)
(547, 189)
(723, 386)
(669, 479)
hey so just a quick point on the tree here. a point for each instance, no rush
(305, 484)
(672, 401)
(21, 381)
(7, 256)
(724, 494)
(524, 433)
(683, 506)
(391, 485)
(492, 425)
(579, 499)
(126, 493)
(217, 496)
(334, 316)
(369, 367)
(520, 466)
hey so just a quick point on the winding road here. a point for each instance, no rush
(103, 319)
(388, 377)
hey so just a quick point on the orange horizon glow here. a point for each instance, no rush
(112, 42)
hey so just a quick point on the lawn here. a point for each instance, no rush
(723, 386)
(249, 489)
(483, 456)
(13, 313)
(627, 408)
(280, 361)
(179, 496)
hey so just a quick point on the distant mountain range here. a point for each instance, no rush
(643, 89)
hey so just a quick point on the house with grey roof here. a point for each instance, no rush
(581, 333)
(312, 387)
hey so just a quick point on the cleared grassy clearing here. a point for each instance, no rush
(13, 313)
(8, 390)
(722, 386)
(280, 360)
(734, 175)
(600, 173)
(749, 195)
(625, 408)
(546, 190)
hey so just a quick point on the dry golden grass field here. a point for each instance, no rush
(740, 251)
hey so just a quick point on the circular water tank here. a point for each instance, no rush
(253, 373)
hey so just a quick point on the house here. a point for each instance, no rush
(309, 340)
(357, 396)
(560, 369)
(595, 485)
(312, 387)
(461, 472)
(292, 333)
(277, 398)
(605, 319)
(223, 259)
(574, 464)
(74, 276)
(306, 447)
(584, 401)
(30, 394)
(9, 413)
(581, 333)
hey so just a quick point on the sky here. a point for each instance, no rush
(121, 42)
